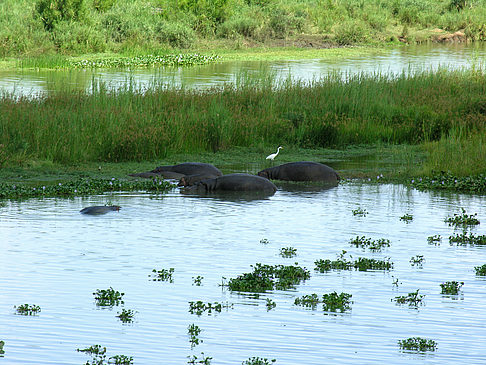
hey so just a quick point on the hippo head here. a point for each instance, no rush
(182, 182)
(263, 173)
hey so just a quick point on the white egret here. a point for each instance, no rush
(273, 155)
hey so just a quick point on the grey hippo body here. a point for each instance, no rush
(180, 170)
(235, 182)
(302, 171)
(97, 210)
(190, 180)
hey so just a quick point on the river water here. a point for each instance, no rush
(54, 257)
(395, 61)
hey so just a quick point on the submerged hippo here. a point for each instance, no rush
(301, 171)
(97, 210)
(180, 170)
(235, 182)
(190, 180)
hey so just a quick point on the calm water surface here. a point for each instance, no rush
(404, 59)
(54, 257)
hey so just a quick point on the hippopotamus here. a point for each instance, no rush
(180, 170)
(234, 182)
(190, 180)
(97, 210)
(301, 171)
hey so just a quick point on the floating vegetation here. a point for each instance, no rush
(417, 260)
(108, 297)
(451, 287)
(463, 219)
(334, 302)
(27, 309)
(264, 241)
(98, 354)
(258, 361)
(471, 184)
(288, 252)
(435, 240)
(465, 239)
(360, 212)
(162, 275)
(309, 301)
(200, 307)
(361, 264)
(268, 277)
(395, 281)
(205, 360)
(197, 280)
(407, 218)
(81, 187)
(374, 245)
(2, 352)
(126, 315)
(270, 304)
(480, 270)
(413, 299)
(146, 61)
(193, 331)
(417, 344)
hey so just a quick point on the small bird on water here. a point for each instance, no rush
(273, 155)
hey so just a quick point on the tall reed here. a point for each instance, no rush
(125, 125)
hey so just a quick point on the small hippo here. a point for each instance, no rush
(235, 182)
(302, 171)
(98, 210)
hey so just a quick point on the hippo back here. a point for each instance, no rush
(301, 171)
(190, 168)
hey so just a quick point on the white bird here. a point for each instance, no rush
(273, 155)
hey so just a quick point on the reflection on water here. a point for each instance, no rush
(404, 59)
(55, 257)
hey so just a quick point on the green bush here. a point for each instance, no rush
(351, 32)
(53, 11)
(176, 35)
(72, 37)
(245, 26)
(103, 5)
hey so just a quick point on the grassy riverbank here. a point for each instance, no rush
(440, 116)
(31, 28)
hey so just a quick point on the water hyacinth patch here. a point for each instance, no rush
(288, 252)
(162, 275)
(361, 264)
(268, 277)
(147, 61)
(436, 239)
(334, 302)
(27, 309)
(463, 219)
(417, 344)
(108, 297)
(360, 212)
(82, 187)
(374, 245)
(98, 354)
(126, 315)
(200, 307)
(480, 270)
(465, 239)
(451, 287)
(258, 361)
(193, 331)
(470, 184)
(270, 304)
(413, 299)
(205, 360)
(309, 301)
(417, 260)
(197, 280)
(407, 218)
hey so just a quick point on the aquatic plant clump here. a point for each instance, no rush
(268, 277)
(197, 280)
(480, 270)
(417, 260)
(374, 245)
(436, 239)
(27, 309)
(465, 239)
(334, 302)
(108, 297)
(200, 307)
(193, 331)
(81, 187)
(407, 218)
(418, 344)
(309, 301)
(360, 212)
(270, 304)
(126, 315)
(470, 184)
(98, 354)
(203, 359)
(258, 361)
(463, 219)
(361, 264)
(288, 252)
(413, 299)
(146, 61)
(162, 275)
(451, 287)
